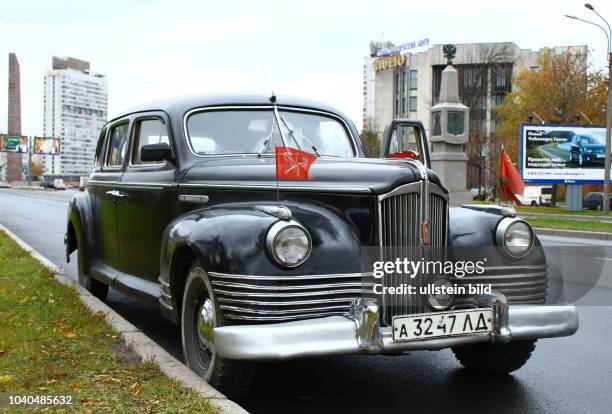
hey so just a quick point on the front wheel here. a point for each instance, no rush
(495, 359)
(199, 316)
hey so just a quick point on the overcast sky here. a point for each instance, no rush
(151, 49)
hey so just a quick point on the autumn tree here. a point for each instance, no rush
(562, 90)
(370, 140)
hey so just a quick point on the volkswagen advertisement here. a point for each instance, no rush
(562, 154)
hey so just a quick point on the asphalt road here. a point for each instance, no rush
(566, 375)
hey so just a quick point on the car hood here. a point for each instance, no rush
(376, 176)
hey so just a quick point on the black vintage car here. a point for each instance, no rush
(184, 206)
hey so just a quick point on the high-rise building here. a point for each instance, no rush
(75, 110)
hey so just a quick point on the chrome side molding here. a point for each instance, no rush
(195, 199)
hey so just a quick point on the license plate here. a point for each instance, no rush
(601, 155)
(442, 324)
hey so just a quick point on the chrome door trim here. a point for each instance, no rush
(280, 187)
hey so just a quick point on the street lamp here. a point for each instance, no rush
(608, 33)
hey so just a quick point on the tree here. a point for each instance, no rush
(485, 76)
(562, 90)
(370, 139)
(37, 169)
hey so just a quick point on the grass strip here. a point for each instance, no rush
(50, 344)
(568, 224)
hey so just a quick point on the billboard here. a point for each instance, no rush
(11, 143)
(562, 154)
(46, 146)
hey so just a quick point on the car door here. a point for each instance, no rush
(104, 186)
(148, 195)
(404, 138)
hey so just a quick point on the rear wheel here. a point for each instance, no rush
(495, 359)
(97, 288)
(199, 316)
(533, 203)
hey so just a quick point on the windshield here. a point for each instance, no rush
(255, 131)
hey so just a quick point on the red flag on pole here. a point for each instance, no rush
(293, 164)
(511, 182)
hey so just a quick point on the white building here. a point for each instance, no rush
(75, 110)
(406, 84)
(409, 86)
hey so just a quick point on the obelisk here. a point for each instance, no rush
(14, 170)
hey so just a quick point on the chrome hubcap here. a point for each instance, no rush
(205, 325)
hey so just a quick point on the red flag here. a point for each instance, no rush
(293, 164)
(511, 182)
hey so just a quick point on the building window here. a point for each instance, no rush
(413, 104)
(413, 79)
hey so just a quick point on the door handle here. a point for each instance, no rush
(115, 193)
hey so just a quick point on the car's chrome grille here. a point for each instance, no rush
(520, 284)
(285, 298)
(402, 217)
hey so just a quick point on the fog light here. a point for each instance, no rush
(441, 296)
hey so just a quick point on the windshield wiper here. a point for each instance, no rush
(266, 142)
(264, 146)
(291, 133)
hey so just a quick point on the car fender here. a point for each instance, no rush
(472, 233)
(232, 239)
(81, 219)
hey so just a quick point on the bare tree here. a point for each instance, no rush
(370, 139)
(483, 82)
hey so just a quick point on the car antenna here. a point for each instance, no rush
(273, 97)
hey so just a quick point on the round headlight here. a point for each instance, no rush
(289, 243)
(515, 235)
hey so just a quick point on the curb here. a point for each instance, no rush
(142, 345)
(573, 233)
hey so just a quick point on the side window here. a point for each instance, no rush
(118, 143)
(148, 131)
(100, 149)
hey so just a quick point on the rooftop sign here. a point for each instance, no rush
(400, 48)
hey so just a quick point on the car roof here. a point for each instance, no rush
(181, 104)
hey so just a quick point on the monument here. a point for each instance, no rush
(450, 129)
(14, 161)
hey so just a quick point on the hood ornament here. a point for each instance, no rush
(425, 232)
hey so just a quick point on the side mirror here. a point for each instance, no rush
(156, 152)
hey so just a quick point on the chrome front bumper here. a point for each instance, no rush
(360, 332)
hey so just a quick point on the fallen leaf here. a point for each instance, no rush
(5, 379)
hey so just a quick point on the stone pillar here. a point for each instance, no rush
(14, 161)
(450, 126)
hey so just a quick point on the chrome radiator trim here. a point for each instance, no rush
(403, 215)
(260, 298)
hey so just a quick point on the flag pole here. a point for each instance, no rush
(499, 192)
